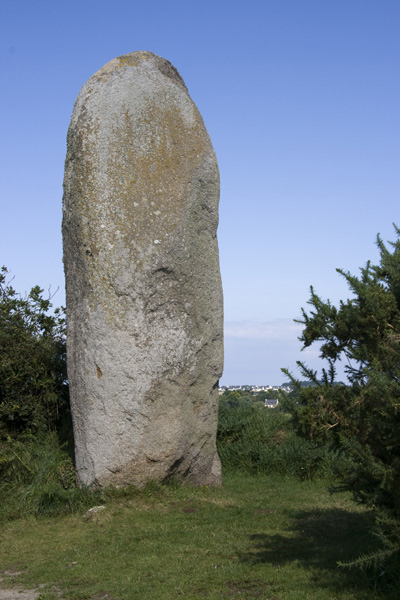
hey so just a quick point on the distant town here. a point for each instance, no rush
(270, 401)
(255, 389)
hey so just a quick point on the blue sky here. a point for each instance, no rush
(302, 102)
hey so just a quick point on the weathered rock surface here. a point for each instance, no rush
(144, 296)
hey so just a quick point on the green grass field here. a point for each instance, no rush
(257, 537)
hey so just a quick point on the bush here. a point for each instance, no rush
(36, 470)
(33, 377)
(37, 477)
(254, 439)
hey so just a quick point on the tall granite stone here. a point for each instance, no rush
(144, 296)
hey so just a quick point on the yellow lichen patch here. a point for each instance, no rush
(127, 61)
(131, 60)
(150, 168)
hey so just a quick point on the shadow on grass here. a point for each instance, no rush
(317, 540)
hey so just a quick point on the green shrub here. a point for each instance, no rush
(33, 377)
(36, 470)
(254, 439)
(37, 477)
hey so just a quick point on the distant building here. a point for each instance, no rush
(271, 402)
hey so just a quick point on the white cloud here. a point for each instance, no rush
(276, 329)
(255, 351)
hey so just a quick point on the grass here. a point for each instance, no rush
(257, 537)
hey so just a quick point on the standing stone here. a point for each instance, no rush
(144, 296)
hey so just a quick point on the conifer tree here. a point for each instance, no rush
(362, 416)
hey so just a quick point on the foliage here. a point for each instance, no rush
(362, 418)
(36, 470)
(33, 380)
(37, 477)
(253, 439)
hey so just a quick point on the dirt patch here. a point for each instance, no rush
(9, 590)
(15, 593)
